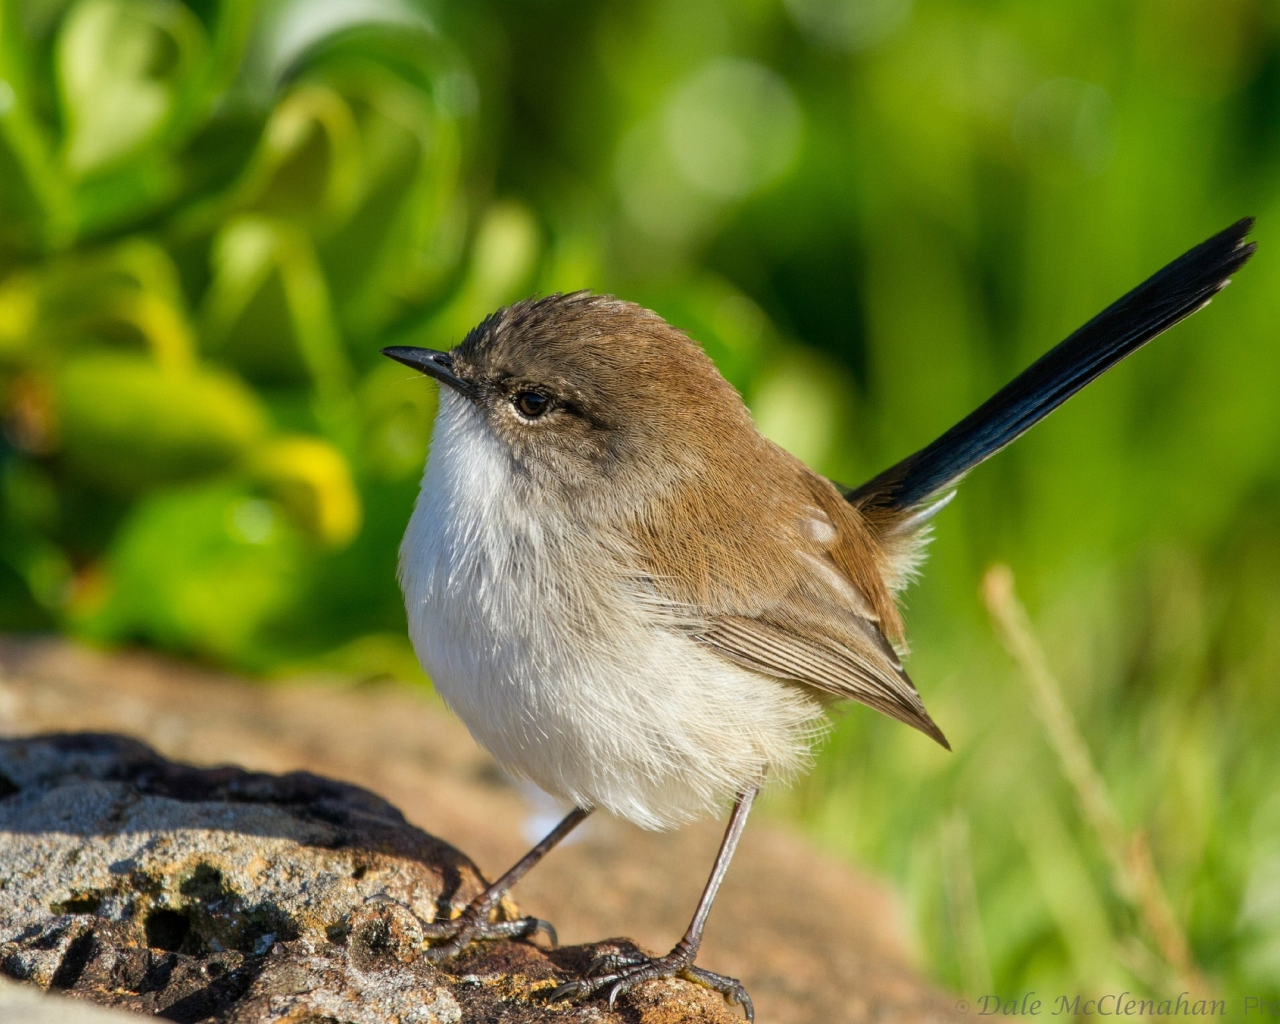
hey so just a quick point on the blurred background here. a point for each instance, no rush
(871, 212)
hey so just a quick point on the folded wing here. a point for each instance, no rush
(792, 590)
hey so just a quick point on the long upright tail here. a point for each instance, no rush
(904, 496)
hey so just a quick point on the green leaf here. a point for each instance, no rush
(199, 569)
(127, 424)
(312, 481)
(245, 254)
(120, 63)
(32, 187)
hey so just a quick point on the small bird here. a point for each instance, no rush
(636, 601)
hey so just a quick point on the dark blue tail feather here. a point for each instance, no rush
(1166, 297)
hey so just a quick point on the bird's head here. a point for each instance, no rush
(583, 391)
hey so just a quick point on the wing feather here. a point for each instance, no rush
(852, 660)
(786, 581)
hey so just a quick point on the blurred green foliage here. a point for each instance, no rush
(211, 213)
(871, 212)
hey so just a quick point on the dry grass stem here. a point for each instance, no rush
(1134, 872)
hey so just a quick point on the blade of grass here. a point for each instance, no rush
(1134, 872)
(962, 905)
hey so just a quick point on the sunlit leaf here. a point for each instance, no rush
(310, 158)
(119, 62)
(127, 424)
(155, 304)
(307, 166)
(311, 479)
(33, 187)
(242, 257)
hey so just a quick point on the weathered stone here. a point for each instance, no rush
(244, 898)
(26, 1004)
(811, 938)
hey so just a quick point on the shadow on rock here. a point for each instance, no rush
(232, 896)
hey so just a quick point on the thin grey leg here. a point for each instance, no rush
(473, 924)
(621, 972)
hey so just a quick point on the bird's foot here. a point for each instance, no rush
(619, 973)
(448, 938)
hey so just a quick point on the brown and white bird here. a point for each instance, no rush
(636, 601)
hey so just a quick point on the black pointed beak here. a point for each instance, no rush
(434, 364)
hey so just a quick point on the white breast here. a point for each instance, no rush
(535, 637)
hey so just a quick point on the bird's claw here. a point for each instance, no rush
(460, 932)
(731, 988)
(611, 963)
(455, 934)
(626, 971)
(547, 929)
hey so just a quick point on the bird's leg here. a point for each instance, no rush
(473, 924)
(621, 972)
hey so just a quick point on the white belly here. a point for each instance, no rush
(559, 668)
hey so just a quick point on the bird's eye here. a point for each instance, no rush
(531, 404)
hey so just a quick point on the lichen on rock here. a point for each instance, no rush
(238, 897)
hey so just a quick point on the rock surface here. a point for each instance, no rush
(26, 1004)
(814, 941)
(232, 896)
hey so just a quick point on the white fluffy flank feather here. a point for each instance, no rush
(534, 634)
